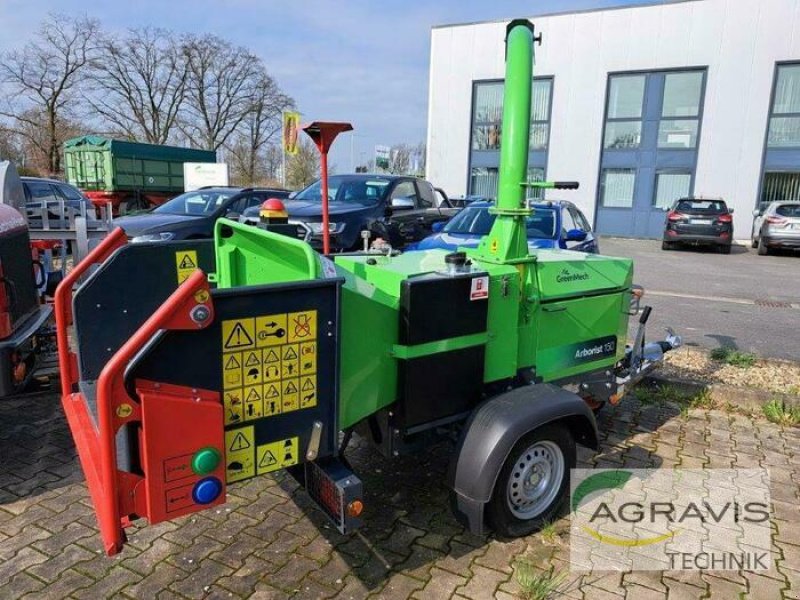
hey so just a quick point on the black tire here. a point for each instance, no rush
(499, 512)
(725, 249)
(667, 246)
(754, 243)
(763, 249)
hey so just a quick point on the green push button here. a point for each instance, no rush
(205, 460)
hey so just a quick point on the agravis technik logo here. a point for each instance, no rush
(657, 519)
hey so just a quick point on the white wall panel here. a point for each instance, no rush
(739, 41)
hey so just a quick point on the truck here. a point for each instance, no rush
(199, 364)
(129, 175)
(24, 316)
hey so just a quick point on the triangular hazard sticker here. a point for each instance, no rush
(308, 385)
(252, 360)
(290, 354)
(290, 388)
(253, 396)
(232, 363)
(272, 392)
(267, 460)
(239, 443)
(271, 357)
(238, 337)
(187, 262)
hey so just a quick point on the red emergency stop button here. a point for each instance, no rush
(206, 460)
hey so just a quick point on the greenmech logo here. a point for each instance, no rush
(664, 519)
(566, 276)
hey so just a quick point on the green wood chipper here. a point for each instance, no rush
(195, 365)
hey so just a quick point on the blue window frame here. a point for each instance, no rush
(487, 134)
(650, 138)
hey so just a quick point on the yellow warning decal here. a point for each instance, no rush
(302, 326)
(238, 334)
(272, 399)
(232, 404)
(185, 263)
(239, 454)
(308, 391)
(251, 363)
(269, 365)
(253, 405)
(291, 395)
(232, 370)
(271, 330)
(308, 358)
(277, 455)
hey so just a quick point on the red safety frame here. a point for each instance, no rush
(114, 492)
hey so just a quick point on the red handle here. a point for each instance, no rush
(179, 311)
(63, 305)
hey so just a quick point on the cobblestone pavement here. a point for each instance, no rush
(267, 541)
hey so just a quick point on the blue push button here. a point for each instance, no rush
(206, 490)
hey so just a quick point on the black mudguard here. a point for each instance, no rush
(494, 428)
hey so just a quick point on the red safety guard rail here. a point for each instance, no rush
(113, 492)
(67, 361)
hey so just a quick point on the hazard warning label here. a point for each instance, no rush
(238, 334)
(269, 365)
(185, 263)
(239, 454)
(277, 455)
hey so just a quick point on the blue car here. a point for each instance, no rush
(556, 224)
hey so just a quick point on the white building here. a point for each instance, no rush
(640, 104)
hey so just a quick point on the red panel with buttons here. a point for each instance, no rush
(182, 449)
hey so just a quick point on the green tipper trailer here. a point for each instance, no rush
(118, 171)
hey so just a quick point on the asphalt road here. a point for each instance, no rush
(741, 300)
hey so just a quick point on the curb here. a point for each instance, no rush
(751, 399)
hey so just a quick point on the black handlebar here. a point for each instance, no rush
(566, 185)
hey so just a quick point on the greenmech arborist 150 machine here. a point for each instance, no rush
(198, 364)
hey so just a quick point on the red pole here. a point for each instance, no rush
(326, 234)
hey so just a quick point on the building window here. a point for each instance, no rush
(623, 134)
(682, 93)
(680, 112)
(487, 116)
(483, 182)
(617, 187)
(784, 123)
(624, 120)
(626, 97)
(781, 186)
(671, 187)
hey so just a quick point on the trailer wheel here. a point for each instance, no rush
(533, 484)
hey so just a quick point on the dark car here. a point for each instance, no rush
(54, 196)
(192, 215)
(398, 209)
(699, 221)
(553, 224)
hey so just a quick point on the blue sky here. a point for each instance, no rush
(364, 61)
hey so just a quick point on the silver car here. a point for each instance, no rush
(776, 225)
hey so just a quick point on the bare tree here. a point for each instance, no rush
(10, 147)
(220, 88)
(302, 168)
(273, 161)
(41, 80)
(399, 159)
(139, 84)
(420, 154)
(258, 128)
